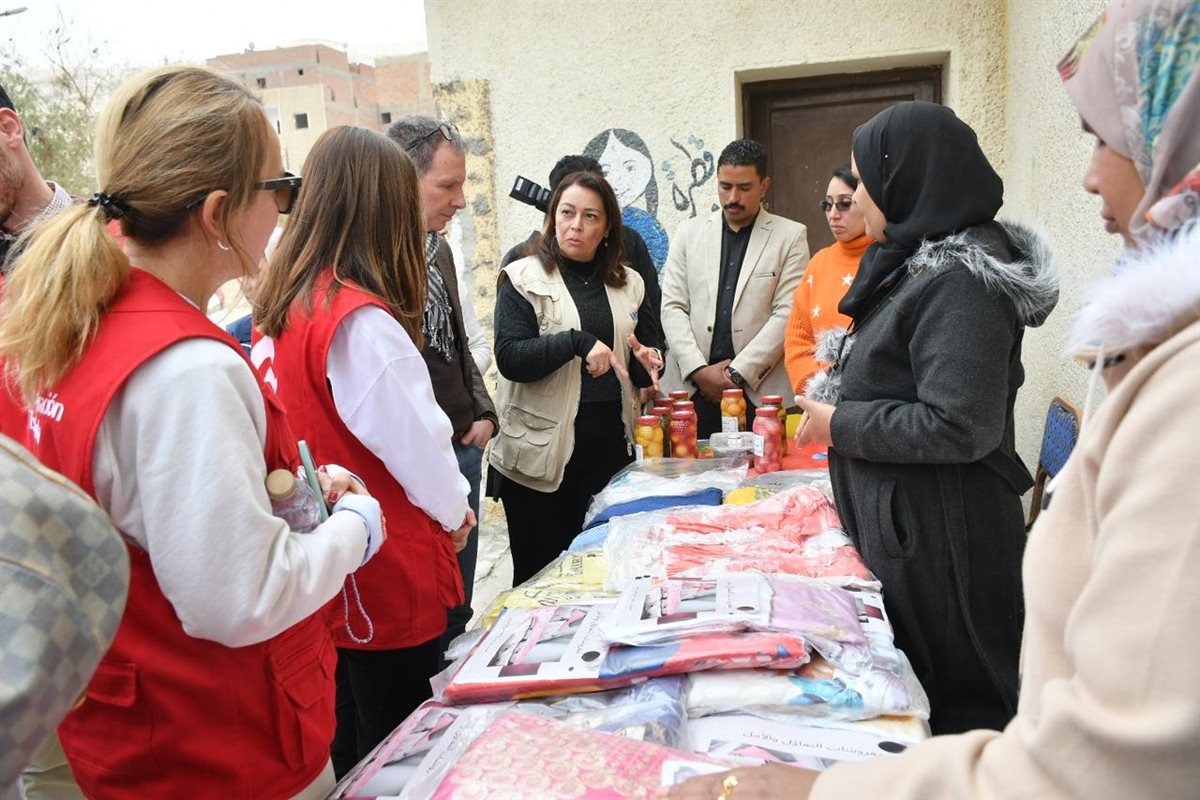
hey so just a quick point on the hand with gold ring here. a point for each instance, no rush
(771, 782)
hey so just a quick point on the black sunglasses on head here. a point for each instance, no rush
(285, 188)
(444, 128)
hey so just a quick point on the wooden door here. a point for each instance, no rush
(806, 125)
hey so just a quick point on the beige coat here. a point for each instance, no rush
(775, 259)
(537, 419)
(1110, 693)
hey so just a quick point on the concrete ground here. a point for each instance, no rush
(493, 568)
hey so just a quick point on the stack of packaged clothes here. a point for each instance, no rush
(678, 636)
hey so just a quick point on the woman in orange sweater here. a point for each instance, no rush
(829, 275)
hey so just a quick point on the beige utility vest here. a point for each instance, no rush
(537, 419)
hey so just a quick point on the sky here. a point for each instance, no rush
(152, 32)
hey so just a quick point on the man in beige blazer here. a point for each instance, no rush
(727, 290)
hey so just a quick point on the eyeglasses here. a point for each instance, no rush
(447, 131)
(285, 189)
(841, 205)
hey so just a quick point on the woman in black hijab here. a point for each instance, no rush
(918, 406)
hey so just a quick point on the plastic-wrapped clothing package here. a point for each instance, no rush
(768, 484)
(590, 539)
(752, 740)
(573, 578)
(706, 651)
(521, 756)
(887, 685)
(413, 760)
(651, 711)
(700, 497)
(795, 532)
(666, 477)
(653, 612)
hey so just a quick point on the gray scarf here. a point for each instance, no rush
(438, 325)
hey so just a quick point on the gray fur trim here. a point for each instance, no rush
(824, 387)
(1030, 279)
(829, 345)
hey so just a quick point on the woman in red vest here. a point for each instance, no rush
(220, 681)
(342, 302)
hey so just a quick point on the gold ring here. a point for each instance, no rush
(727, 786)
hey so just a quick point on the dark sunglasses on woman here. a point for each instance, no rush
(842, 205)
(285, 188)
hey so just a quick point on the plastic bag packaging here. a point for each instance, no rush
(666, 477)
(520, 755)
(571, 579)
(760, 487)
(796, 532)
(651, 711)
(885, 686)
(816, 745)
(653, 612)
(590, 539)
(743, 650)
(701, 497)
(405, 754)
(533, 652)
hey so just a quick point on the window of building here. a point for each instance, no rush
(386, 118)
(301, 121)
(262, 82)
(332, 95)
(300, 71)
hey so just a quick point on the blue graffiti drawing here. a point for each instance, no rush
(629, 168)
(701, 167)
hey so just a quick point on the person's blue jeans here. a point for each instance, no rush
(470, 464)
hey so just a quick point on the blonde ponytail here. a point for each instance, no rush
(68, 271)
(166, 139)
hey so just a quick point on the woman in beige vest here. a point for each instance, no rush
(567, 319)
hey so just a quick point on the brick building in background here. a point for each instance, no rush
(310, 88)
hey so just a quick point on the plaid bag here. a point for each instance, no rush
(64, 577)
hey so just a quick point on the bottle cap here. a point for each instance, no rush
(767, 411)
(649, 419)
(280, 484)
(681, 414)
(680, 394)
(772, 400)
(732, 393)
(660, 411)
(684, 405)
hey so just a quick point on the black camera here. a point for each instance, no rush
(531, 194)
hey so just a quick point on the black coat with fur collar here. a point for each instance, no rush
(924, 467)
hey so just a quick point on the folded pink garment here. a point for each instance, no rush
(522, 756)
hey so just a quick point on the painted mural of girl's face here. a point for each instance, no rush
(627, 170)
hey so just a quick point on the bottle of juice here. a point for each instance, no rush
(733, 411)
(777, 400)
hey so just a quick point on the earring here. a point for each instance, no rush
(223, 246)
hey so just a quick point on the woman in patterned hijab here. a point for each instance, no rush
(1134, 81)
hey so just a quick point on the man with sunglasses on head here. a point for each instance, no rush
(727, 291)
(438, 153)
(25, 197)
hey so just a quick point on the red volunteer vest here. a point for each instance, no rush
(414, 578)
(168, 715)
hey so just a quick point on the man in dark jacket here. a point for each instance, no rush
(637, 255)
(438, 153)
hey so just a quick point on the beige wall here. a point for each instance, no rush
(559, 73)
(1047, 155)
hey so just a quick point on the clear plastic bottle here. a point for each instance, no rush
(293, 501)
